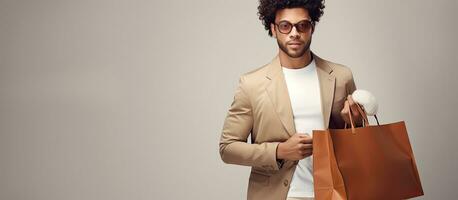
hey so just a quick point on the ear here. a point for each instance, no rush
(272, 29)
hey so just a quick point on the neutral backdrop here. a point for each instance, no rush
(115, 100)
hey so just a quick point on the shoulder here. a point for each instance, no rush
(340, 71)
(258, 72)
(255, 77)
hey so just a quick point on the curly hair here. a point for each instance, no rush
(267, 10)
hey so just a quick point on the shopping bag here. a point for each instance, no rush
(328, 182)
(365, 163)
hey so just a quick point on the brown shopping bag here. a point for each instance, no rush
(373, 162)
(328, 182)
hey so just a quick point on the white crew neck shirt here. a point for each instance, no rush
(304, 92)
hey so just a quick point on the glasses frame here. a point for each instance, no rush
(312, 26)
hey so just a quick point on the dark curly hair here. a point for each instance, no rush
(268, 8)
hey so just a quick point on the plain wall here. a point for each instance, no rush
(126, 99)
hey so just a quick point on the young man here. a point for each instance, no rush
(280, 104)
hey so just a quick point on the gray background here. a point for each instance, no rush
(126, 99)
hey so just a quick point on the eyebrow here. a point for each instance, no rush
(296, 22)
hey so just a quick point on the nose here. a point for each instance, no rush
(294, 33)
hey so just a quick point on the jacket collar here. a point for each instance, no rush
(279, 96)
(274, 67)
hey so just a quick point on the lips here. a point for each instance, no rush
(295, 43)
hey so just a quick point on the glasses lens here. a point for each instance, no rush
(304, 26)
(284, 27)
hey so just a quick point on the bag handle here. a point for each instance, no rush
(363, 114)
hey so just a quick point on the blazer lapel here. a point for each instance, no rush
(279, 96)
(327, 87)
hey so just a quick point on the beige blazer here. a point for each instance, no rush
(261, 107)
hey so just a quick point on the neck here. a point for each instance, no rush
(295, 63)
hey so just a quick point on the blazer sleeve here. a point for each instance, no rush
(233, 146)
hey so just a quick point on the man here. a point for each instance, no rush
(282, 102)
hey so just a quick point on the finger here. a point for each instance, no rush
(303, 135)
(353, 106)
(306, 151)
(308, 140)
(307, 154)
(344, 112)
(346, 107)
(350, 99)
(306, 147)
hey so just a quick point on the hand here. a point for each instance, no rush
(350, 105)
(297, 147)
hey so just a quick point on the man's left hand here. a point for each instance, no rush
(350, 105)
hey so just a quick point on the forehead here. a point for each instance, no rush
(292, 15)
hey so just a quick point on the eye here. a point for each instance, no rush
(284, 25)
(304, 26)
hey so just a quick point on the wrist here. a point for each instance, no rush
(280, 151)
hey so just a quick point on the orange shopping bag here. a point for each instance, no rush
(373, 162)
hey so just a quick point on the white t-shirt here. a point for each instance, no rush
(304, 92)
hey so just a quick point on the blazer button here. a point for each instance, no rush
(285, 183)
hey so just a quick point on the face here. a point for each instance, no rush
(295, 43)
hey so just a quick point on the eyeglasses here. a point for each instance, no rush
(303, 26)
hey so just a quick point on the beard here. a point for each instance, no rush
(295, 53)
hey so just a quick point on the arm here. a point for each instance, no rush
(233, 146)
